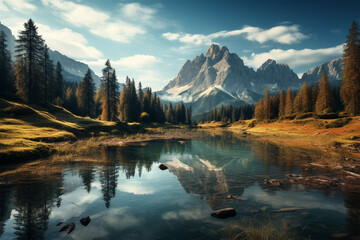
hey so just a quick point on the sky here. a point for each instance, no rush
(150, 40)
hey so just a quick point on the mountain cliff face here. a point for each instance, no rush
(332, 68)
(276, 76)
(218, 67)
(221, 78)
(73, 71)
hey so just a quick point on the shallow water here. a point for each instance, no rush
(128, 197)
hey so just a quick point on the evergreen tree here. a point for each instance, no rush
(325, 101)
(114, 95)
(146, 104)
(350, 87)
(48, 73)
(86, 94)
(28, 56)
(6, 80)
(70, 102)
(108, 93)
(140, 96)
(59, 82)
(289, 103)
(129, 105)
(170, 115)
(188, 115)
(282, 103)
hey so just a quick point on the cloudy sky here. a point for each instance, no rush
(150, 40)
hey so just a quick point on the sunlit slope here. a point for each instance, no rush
(26, 130)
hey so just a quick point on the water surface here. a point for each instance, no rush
(128, 197)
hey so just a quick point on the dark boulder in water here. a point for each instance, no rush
(224, 213)
(68, 228)
(85, 221)
(162, 167)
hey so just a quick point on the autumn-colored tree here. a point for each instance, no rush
(266, 105)
(314, 94)
(302, 101)
(289, 103)
(282, 103)
(350, 87)
(324, 103)
(259, 110)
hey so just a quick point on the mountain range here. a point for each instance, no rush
(73, 71)
(221, 78)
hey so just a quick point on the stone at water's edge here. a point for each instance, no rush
(162, 167)
(224, 213)
(85, 221)
(68, 228)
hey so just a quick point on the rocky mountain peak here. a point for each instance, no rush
(212, 50)
(267, 63)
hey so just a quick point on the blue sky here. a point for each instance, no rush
(150, 40)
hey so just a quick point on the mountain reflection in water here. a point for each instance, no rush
(128, 197)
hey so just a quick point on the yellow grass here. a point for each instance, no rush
(27, 130)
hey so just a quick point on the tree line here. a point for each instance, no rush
(35, 79)
(227, 114)
(320, 98)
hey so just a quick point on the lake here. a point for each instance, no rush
(127, 196)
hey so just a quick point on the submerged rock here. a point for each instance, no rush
(59, 223)
(229, 196)
(162, 167)
(85, 221)
(224, 213)
(68, 228)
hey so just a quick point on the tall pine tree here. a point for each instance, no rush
(108, 93)
(325, 102)
(289, 103)
(86, 94)
(6, 79)
(282, 103)
(59, 88)
(29, 54)
(350, 87)
(48, 74)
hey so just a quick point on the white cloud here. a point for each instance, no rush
(17, 5)
(98, 22)
(68, 42)
(3, 7)
(117, 31)
(64, 40)
(279, 34)
(294, 58)
(133, 62)
(138, 11)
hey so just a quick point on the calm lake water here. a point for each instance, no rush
(128, 197)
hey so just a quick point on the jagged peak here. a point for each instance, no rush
(267, 63)
(213, 49)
